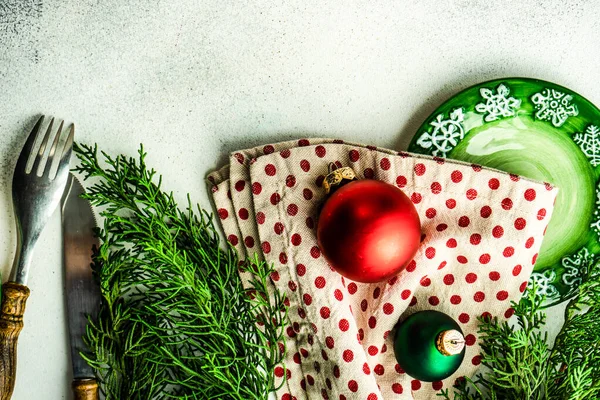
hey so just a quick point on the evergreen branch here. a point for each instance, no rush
(520, 363)
(175, 321)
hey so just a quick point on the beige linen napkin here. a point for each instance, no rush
(481, 228)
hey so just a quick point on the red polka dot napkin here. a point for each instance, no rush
(482, 230)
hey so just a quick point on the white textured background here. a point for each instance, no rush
(194, 80)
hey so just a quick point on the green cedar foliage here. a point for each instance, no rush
(520, 363)
(175, 321)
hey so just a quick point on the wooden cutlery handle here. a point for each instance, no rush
(85, 389)
(14, 297)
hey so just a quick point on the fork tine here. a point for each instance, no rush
(23, 163)
(56, 139)
(63, 161)
(37, 168)
(51, 164)
(68, 147)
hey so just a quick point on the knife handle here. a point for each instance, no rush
(14, 297)
(85, 389)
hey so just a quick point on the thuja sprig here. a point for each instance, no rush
(521, 364)
(175, 321)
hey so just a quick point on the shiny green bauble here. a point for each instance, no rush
(429, 346)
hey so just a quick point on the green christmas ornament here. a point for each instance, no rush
(429, 346)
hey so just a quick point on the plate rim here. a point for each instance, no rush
(494, 83)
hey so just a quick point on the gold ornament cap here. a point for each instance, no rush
(450, 342)
(335, 177)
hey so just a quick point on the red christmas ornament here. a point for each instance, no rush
(368, 230)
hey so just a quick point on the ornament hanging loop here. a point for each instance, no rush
(336, 176)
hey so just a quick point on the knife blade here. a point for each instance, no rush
(83, 294)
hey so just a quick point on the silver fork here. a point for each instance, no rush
(36, 190)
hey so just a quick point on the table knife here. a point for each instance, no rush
(83, 293)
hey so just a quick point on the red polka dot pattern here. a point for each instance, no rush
(223, 213)
(529, 243)
(270, 170)
(456, 176)
(485, 211)
(508, 251)
(278, 228)
(481, 232)
(290, 181)
(240, 185)
(530, 194)
(320, 151)
(275, 199)
(233, 239)
(296, 239)
(419, 169)
(464, 318)
(401, 181)
(385, 164)
(305, 165)
(464, 221)
(517, 270)
(509, 313)
(541, 214)
(256, 188)
(448, 279)
(497, 231)
(437, 385)
(470, 340)
(348, 356)
(416, 197)
(494, 275)
(507, 204)
(479, 296)
(471, 194)
(430, 213)
(388, 308)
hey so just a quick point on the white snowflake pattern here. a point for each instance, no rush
(497, 105)
(589, 142)
(445, 135)
(544, 284)
(554, 106)
(595, 225)
(576, 266)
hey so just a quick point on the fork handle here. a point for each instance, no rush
(85, 389)
(14, 297)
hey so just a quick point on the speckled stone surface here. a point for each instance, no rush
(194, 80)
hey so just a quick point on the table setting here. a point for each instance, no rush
(297, 200)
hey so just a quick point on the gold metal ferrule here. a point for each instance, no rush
(335, 177)
(450, 342)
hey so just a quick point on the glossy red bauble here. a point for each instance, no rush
(368, 230)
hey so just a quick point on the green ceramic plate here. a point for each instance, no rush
(541, 131)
